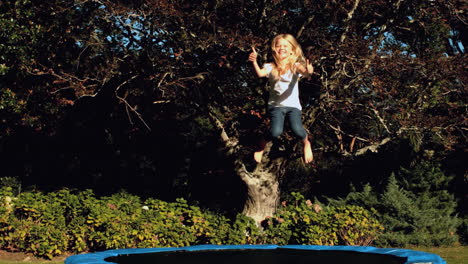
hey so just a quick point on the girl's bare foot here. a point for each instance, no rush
(258, 155)
(308, 155)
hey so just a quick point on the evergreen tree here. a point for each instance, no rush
(415, 208)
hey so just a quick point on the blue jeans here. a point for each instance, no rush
(277, 116)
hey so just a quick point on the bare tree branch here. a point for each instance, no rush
(306, 23)
(339, 131)
(373, 148)
(347, 19)
(219, 125)
(381, 120)
(128, 107)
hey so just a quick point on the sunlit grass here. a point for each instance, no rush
(31, 262)
(452, 255)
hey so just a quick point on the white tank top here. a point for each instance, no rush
(285, 90)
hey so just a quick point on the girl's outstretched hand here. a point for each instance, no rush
(253, 55)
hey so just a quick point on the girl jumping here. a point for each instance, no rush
(283, 73)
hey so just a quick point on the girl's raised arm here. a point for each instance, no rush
(261, 72)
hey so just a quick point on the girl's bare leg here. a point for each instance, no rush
(308, 156)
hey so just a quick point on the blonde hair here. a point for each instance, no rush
(296, 56)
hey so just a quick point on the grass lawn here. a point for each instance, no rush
(453, 255)
(35, 261)
(22, 258)
(31, 261)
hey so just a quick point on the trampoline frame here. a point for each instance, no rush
(412, 256)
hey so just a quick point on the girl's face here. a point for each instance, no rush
(283, 49)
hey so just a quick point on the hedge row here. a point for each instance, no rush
(50, 224)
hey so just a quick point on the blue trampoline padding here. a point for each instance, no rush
(412, 256)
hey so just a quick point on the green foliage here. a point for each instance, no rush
(50, 224)
(463, 231)
(3, 69)
(12, 184)
(425, 177)
(245, 231)
(417, 218)
(35, 223)
(66, 221)
(9, 101)
(384, 69)
(302, 222)
(80, 70)
(415, 208)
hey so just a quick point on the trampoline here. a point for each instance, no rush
(258, 254)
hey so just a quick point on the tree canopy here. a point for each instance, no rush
(132, 93)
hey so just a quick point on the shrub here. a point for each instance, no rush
(51, 224)
(173, 224)
(34, 224)
(244, 231)
(463, 231)
(302, 222)
(415, 208)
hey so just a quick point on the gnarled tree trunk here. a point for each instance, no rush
(262, 196)
(263, 186)
(263, 182)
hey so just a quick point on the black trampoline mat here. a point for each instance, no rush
(257, 256)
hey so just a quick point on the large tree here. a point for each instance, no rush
(387, 73)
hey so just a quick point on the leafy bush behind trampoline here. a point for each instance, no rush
(49, 224)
